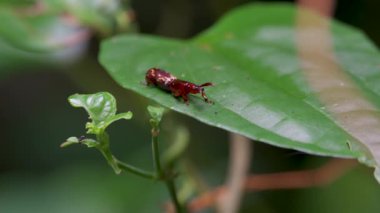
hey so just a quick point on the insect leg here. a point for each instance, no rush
(176, 93)
(205, 96)
(185, 98)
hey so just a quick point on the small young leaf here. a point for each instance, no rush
(100, 106)
(90, 143)
(69, 141)
(156, 113)
(125, 115)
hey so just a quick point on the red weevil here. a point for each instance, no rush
(170, 83)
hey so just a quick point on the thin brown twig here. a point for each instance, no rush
(240, 161)
(324, 175)
(323, 7)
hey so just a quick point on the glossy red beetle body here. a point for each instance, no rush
(179, 88)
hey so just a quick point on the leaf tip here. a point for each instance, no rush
(69, 141)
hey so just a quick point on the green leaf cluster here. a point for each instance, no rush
(101, 108)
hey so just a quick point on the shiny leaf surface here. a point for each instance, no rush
(270, 83)
(100, 106)
(156, 113)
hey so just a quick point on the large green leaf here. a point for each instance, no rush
(263, 89)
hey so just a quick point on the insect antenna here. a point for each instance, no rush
(206, 84)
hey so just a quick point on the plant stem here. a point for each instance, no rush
(136, 171)
(167, 176)
(110, 159)
(104, 148)
(173, 195)
(156, 153)
(115, 163)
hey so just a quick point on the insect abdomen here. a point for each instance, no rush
(159, 78)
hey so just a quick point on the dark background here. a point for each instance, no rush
(38, 176)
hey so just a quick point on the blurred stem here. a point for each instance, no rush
(167, 175)
(156, 152)
(240, 155)
(173, 195)
(322, 176)
(142, 173)
(104, 148)
(117, 165)
(111, 160)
